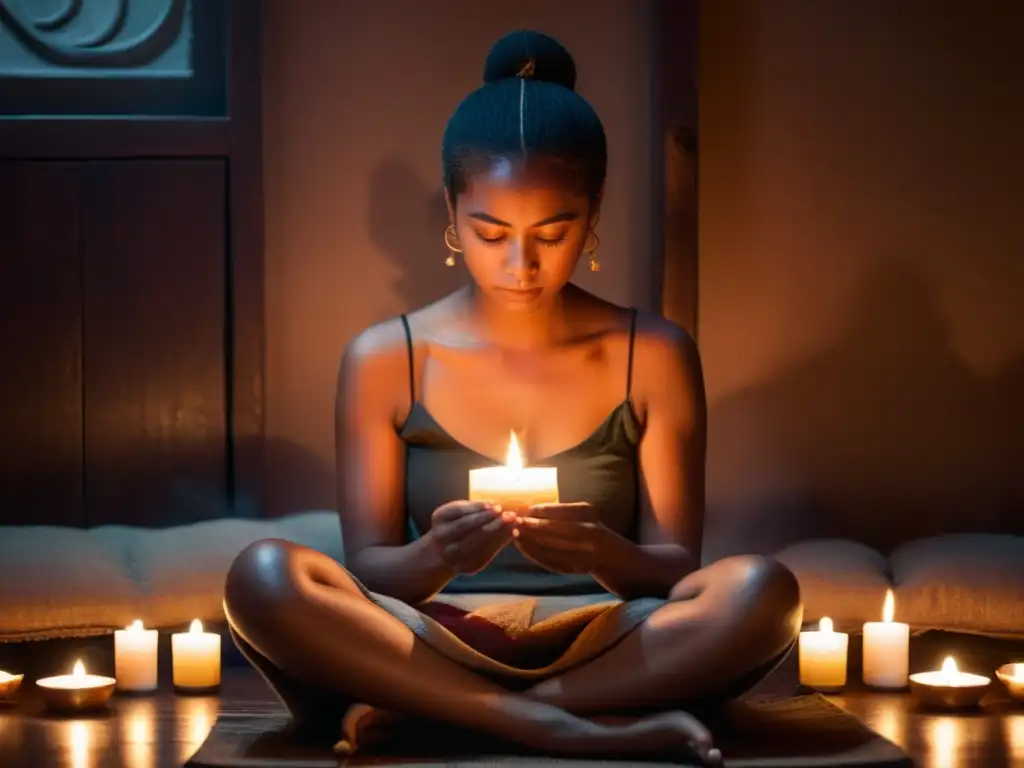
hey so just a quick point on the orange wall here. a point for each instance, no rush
(862, 268)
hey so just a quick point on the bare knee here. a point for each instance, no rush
(260, 582)
(768, 596)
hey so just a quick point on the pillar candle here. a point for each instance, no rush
(886, 660)
(196, 658)
(135, 658)
(514, 486)
(823, 657)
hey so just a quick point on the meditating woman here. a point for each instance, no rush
(532, 625)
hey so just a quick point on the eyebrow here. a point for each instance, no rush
(556, 219)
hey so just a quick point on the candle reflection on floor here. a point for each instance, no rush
(84, 740)
(10, 732)
(1013, 737)
(195, 717)
(138, 733)
(888, 717)
(943, 736)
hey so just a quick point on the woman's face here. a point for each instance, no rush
(522, 230)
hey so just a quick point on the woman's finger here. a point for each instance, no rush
(453, 530)
(561, 540)
(576, 510)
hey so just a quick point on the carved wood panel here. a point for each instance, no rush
(113, 57)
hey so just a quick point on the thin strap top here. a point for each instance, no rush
(602, 469)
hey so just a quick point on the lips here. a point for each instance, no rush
(521, 294)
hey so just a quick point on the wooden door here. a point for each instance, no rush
(131, 230)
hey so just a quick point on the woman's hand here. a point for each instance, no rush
(565, 538)
(469, 534)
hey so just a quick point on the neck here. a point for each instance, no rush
(531, 328)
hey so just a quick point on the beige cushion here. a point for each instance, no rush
(839, 578)
(59, 582)
(963, 582)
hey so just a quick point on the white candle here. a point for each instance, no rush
(195, 656)
(950, 677)
(77, 680)
(886, 658)
(514, 486)
(135, 655)
(823, 657)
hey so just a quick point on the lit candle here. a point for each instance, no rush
(9, 684)
(135, 658)
(1012, 676)
(76, 691)
(823, 657)
(886, 649)
(195, 656)
(513, 486)
(949, 687)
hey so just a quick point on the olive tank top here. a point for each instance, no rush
(602, 469)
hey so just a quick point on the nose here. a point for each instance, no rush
(521, 262)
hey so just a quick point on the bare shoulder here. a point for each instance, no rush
(666, 359)
(373, 378)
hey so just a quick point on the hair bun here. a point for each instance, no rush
(531, 55)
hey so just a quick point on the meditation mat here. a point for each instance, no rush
(801, 732)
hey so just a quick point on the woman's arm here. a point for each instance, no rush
(670, 381)
(371, 468)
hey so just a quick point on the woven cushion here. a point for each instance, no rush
(65, 582)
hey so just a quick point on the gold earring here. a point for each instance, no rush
(595, 265)
(450, 236)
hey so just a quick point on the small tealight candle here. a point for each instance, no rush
(823, 658)
(196, 659)
(9, 684)
(1012, 676)
(886, 660)
(77, 691)
(949, 687)
(135, 658)
(514, 487)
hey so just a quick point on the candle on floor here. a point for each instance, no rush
(195, 657)
(135, 658)
(823, 658)
(514, 486)
(9, 684)
(886, 649)
(77, 691)
(949, 687)
(1012, 676)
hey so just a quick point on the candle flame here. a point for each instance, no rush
(889, 608)
(79, 670)
(196, 627)
(825, 625)
(136, 626)
(514, 457)
(949, 667)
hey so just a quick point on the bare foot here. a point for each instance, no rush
(666, 733)
(363, 725)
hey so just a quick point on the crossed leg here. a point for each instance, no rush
(302, 613)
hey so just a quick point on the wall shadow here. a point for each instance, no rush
(887, 436)
(407, 219)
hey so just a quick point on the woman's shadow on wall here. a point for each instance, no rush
(887, 436)
(407, 219)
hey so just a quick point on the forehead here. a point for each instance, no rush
(536, 183)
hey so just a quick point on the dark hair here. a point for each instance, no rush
(527, 106)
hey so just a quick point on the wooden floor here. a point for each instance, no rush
(164, 730)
